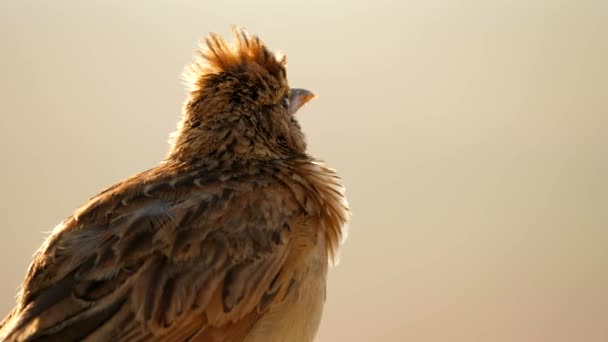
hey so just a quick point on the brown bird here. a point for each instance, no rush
(227, 239)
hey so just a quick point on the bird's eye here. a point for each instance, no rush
(285, 101)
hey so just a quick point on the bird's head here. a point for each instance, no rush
(240, 104)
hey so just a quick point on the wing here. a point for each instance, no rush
(165, 258)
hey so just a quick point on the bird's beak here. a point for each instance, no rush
(298, 98)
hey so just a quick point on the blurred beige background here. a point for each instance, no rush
(471, 135)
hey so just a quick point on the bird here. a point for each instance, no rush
(229, 238)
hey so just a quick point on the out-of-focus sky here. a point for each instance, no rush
(471, 136)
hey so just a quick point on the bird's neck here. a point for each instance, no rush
(227, 141)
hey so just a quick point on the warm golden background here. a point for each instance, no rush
(471, 135)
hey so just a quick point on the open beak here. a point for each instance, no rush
(298, 98)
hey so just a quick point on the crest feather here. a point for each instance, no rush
(216, 56)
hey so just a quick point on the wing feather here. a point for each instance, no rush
(179, 257)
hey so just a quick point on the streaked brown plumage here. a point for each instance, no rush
(228, 239)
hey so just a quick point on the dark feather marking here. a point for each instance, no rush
(44, 299)
(81, 329)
